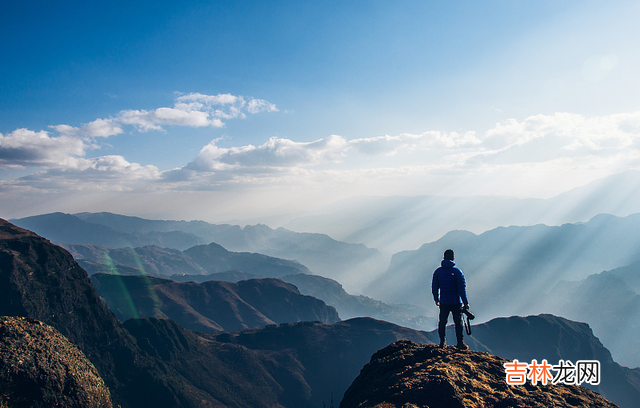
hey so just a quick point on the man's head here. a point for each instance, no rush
(448, 254)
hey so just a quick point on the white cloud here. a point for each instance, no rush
(559, 150)
(154, 120)
(564, 149)
(276, 152)
(97, 128)
(259, 105)
(192, 110)
(24, 147)
(64, 155)
(105, 173)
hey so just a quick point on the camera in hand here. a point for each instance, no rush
(470, 315)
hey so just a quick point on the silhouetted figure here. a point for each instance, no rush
(449, 281)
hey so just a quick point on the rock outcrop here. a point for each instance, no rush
(409, 375)
(39, 367)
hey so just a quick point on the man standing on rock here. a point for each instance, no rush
(449, 281)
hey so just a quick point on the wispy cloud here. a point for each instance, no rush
(192, 110)
(432, 140)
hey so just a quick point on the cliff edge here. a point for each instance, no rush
(409, 375)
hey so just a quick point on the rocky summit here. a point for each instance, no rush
(409, 375)
(39, 367)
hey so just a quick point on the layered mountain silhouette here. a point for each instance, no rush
(347, 263)
(66, 228)
(215, 259)
(405, 374)
(156, 362)
(349, 306)
(509, 268)
(609, 303)
(214, 306)
(199, 260)
(40, 368)
(196, 263)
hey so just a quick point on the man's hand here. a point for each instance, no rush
(437, 303)
(467, 306)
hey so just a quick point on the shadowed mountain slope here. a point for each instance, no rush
(211, 307)
(406, 374)
(40, 368)
(42, 281)
(163, 364)
(332, 355)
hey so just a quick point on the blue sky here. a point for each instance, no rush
(216, 109)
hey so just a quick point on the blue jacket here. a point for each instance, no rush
(450, 281)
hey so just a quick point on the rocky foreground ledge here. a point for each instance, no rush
(40, 368)
(410, 375)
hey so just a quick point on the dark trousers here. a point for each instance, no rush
(457, 320)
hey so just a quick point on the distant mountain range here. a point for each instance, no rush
(198, 260)
(333, 294)
(157, 362)
(394, 224)
(211, 307)
(508, 268)
(608, 302)
(194, 265)
(350, 306)
(347, 263)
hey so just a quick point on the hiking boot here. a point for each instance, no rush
(462, 346)
(443, 343)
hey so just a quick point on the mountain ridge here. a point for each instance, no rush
(348, 262)
(213, 306)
